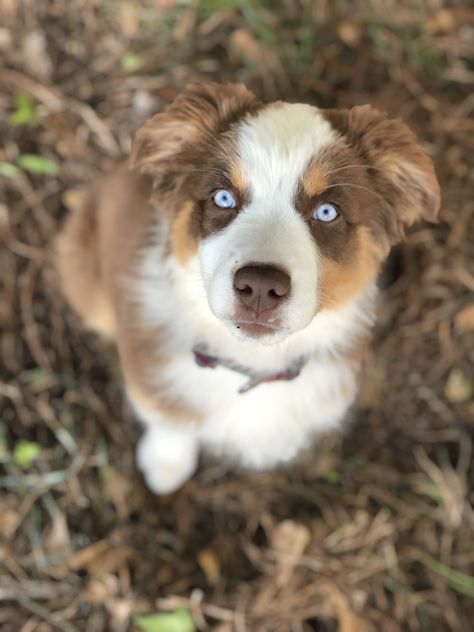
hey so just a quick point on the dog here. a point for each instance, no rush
(234, 262)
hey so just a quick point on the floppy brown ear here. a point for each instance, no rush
(174, 142)
(401, 170)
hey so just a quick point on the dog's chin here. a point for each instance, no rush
(257, 332)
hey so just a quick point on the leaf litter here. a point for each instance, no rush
(371, 529)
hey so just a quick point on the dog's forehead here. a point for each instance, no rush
(276, 145)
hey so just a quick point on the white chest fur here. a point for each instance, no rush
(270, 423)
(260, 428)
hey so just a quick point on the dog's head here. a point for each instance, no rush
(290, 209)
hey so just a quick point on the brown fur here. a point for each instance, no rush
(174, 145)
(141, 349)
(183, 240)
(237, 177)
(79, 266)
(397, 168)
(189, 152)
(98, 243)
(344, 279)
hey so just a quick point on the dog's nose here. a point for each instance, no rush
(261, 288)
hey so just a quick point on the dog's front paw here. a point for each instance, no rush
(167, 458)
(163, 476)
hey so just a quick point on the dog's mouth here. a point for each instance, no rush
(256, 328)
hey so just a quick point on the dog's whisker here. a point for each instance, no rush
(356, 186)
(367, 168)
(355, 166)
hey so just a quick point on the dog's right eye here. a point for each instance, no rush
(224, 199)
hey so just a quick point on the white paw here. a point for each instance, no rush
(167, 458)
(166, 478)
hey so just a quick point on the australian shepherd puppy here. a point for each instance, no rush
(234, 262)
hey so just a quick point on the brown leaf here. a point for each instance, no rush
(464, 319)
(289, 541)
(129, 20)
(73, 198)
(349, 32)
(209, 563)
(58, 541)
(165, 5)
(449, 20)
(246, 44)
(35, 55)
(119, 610)
(85, 556)
(117, 489)
(110, 561)
(347, 619)
(8, 522)
(98, 590)
(458, 387)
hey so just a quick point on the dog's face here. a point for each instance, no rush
(290, 209)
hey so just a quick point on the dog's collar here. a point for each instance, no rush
(208, 361)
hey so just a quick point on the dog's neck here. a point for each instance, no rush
(207, 361)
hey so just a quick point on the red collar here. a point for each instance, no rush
(204, 360)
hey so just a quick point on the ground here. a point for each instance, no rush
(370, 530)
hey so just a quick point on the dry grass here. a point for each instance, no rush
(370, 531)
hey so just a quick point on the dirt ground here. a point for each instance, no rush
(372, 530)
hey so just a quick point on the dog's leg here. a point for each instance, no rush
(168, 451)
(167, 456)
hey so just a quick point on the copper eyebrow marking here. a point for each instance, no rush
(237, 178)
(315, 180)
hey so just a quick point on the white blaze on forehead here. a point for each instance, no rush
(276, 145)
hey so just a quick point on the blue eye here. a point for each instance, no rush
(326, 213)
(224, 199)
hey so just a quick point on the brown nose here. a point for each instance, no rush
(261, 288)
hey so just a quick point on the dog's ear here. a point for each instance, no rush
(174, 143)
(399, 169)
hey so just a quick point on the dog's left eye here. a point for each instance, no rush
(224, 199)
(325, 213)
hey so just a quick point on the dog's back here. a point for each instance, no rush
(97, 242)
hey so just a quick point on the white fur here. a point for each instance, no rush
(166, 455)
(272, 422)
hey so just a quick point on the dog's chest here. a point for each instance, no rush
(271, 422)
